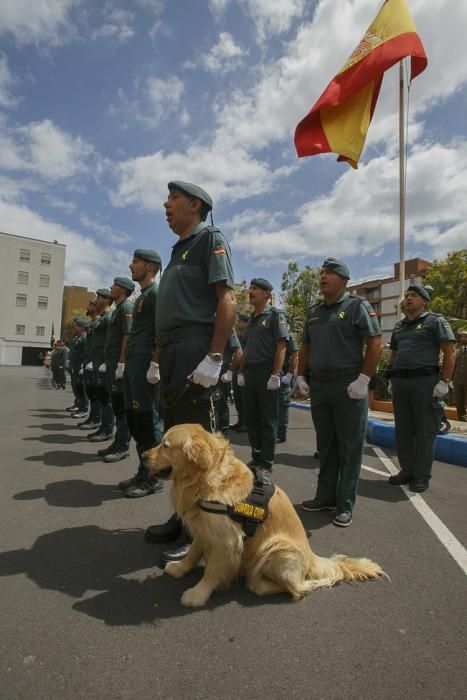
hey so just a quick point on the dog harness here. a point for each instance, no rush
(250, 512)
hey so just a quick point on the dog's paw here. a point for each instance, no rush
(174, 569)
(194, 597)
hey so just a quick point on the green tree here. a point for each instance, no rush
(448, 278)
(241, 294)
(300, 289)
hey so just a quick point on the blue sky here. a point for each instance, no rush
(102, 103)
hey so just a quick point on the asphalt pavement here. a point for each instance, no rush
(87, 612)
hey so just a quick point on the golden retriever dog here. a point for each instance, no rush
(277, 559)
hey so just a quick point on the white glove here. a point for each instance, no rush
(441, 389)
(303, 386)
(359, 388)
(102, 368)
(241, 379)
(286, 379)
(89, 366)
(207, 372)
(119, 372)
(153, 375)
(81, 370)
(227, 376)
(274, 382)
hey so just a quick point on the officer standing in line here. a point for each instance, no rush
(419, 385)
(115, 352)
(231, 360)
(332, 350)
(60, 359)
(262, 362)
(73, 375)
(285, 391)
(241, 324)
(93, 421)
(80, 326)
(195, 317)
(460, 377)
(99, 334)
(141, 398)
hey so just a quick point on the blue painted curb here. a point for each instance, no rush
(448, 448)
(303, 406)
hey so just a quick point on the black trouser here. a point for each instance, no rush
(261, 414)
(222, 406)
(90, 387)
(238, 399)
(417, 417)
(103, 396)
(82, 400)
(117, 398)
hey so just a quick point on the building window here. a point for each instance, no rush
(20, 330)
(21, 299)
(40, 330)
(45, 258)
(42, 302)
(44, 280)
(23, 277)
(24, 255)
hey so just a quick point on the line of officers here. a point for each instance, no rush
(175, 353)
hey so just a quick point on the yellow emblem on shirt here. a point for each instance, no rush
(341, 315)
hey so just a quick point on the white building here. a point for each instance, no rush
(32, 273)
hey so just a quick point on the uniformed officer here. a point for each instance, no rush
(419, 385)
(460, 377)
(59, 364)
(285, 391)
(262, 362)
(73, 375)
(99, 333)
(241, 324)
(332, 351)
(93, 421)
(195, 317)
(80, 326)
(141, 398)
(230, 362)
(115, 353)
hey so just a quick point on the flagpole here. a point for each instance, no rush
(401, 184)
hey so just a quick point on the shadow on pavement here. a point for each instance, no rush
(380, 490)
(58, 439)
(52, 426)
(63, 458)
(299, 461)
(75, 493)
(75, 561)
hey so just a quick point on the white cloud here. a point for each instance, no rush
(44, 149)
(104, 230)
(6, 82)
(224, 57)
(87, 263)
(39, 21)
(368, 216)
(117, 26)
(273, 17)
(163, 97)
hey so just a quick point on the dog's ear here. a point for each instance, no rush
(195, 450)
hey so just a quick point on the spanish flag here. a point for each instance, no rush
(339, 120)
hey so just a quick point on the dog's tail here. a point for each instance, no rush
(327, 572)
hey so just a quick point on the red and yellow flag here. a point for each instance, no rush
(339, 120)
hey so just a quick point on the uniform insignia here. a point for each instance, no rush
(140, 305)
(135, 404)
(341, 315)
(219, 250)
(418, 326)
(184, 255)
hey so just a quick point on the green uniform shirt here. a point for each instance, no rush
(290, 348)
(119, 326)
(76, 356)
(186, 292)
(88, 344)
(143, 328)
(262, 335)
(417, 343)
(98, 336)
(335, 332)
(232, 345)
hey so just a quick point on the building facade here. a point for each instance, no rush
(384, 293)
(32, 273)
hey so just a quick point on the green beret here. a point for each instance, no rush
(420, 290)
(103, 292)
(147, 255)
(337, 266)
(192, 190)
(125, 283)
(82, 322)
(262, 283)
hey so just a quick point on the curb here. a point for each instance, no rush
(448, 448)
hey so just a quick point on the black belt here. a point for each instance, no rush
(190, 331)
(328, 375)
(414, 372)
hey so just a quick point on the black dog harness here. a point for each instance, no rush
(251, 512)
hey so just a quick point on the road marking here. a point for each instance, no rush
(375, 471)
(445, 536)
